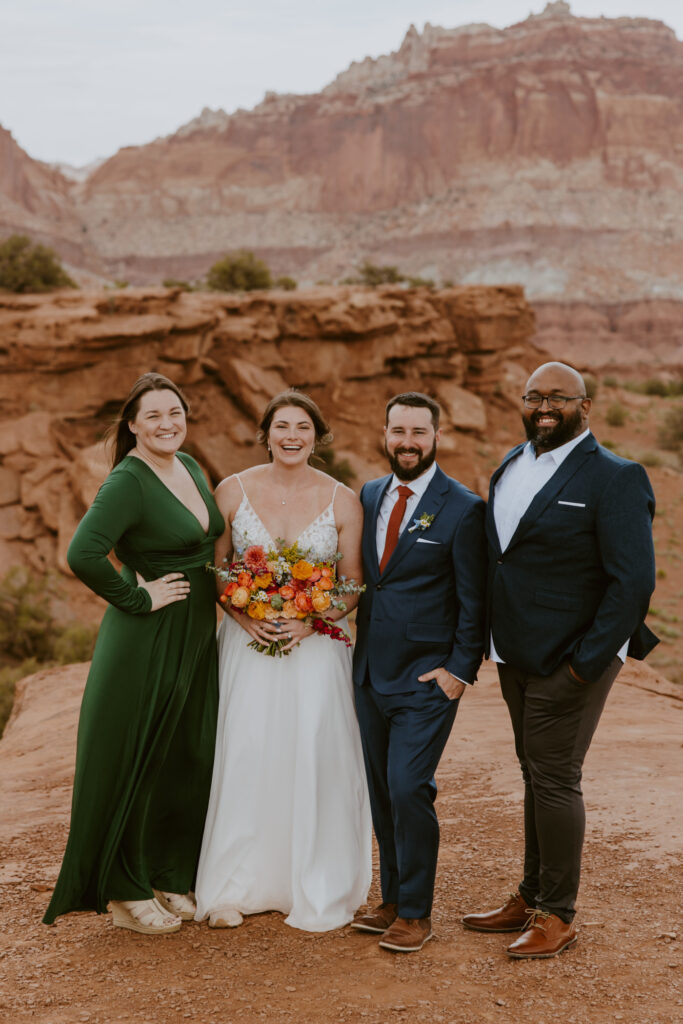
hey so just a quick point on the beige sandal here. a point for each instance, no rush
(179, 904)
(228, 917)
(145, 916)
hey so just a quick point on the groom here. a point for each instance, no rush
(420, 640)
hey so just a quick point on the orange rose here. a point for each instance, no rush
(289, 610)
(231, 588)
(241, 597)
(261, 582)
(256, 610)
(325, 583)
(315, 575)
(244, 580)
(287, 592)
(271, 613)
(321, 601)
(303, 602)
(326, 571)
(302, 569)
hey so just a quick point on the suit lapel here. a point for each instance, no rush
(371, 559)
(430, 502)
(491, 530)
(560, 477)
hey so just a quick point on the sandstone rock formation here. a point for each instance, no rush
(546, 154)
(67, 361)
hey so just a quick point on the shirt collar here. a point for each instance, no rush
(557, 455)
(417, 486)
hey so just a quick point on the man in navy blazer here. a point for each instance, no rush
(571, 571)
(420, 641)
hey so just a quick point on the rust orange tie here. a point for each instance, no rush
(397, 514)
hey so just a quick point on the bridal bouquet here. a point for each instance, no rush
(285, 584)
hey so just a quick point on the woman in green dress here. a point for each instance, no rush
(148, 719)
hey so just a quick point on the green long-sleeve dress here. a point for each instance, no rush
(148, 719)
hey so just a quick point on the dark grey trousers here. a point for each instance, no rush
(553, 718)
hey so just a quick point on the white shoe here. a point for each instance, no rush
(178, 904)
(145, 916)
(228, 917)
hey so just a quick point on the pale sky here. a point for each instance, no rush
(81, 78)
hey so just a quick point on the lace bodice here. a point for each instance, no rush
(320, 537)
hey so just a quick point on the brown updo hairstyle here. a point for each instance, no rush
(323, 434)
(119, 435)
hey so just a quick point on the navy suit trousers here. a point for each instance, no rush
(403, 736)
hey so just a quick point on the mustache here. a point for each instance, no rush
(407, 451)
(536, 416)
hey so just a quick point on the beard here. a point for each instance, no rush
(547, 438)
(411, 472)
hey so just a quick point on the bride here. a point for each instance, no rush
(288, 825)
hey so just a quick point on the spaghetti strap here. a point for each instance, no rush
(239, 480)
(334, 492)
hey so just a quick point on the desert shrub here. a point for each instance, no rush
(610, 382)
(591, 383)
(616, 414)
(25, 267)
(670, 433)
(655, 386)
(239, 272)
(9, 677)
(371, 274)
(30, 638)
(172, 282)
(26, 622)
(339, 469)
(421, 282)
(285, 282)
(74, 643)
(650, 459)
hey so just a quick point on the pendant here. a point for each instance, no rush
(284, 502)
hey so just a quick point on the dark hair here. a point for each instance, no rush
(323, 434)
(119, 435)
(418, 401)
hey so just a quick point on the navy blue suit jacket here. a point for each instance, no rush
(576, 578)
(426, 610)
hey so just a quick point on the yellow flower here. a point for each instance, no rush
(256, 610)
(271, 613)
(321, 600)
(261, 582)
(302, 569)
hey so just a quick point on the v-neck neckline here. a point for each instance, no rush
(175, 496)
(267, 531)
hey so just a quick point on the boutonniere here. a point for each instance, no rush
(423, 523)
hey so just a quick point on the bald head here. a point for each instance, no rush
(564, 378)
(560, 410)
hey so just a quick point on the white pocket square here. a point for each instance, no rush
(423, 540)
(574, 504)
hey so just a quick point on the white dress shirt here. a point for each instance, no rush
(418, 487)
(517, 487)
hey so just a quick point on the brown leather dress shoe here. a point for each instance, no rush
(378, 920)
(546, 935)
(407, 934)
(513, 916)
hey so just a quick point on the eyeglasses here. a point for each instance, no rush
(535, 401)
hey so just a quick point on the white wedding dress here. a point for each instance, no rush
(288, 826)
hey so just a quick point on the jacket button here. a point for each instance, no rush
(378, 587)
(500, 561)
